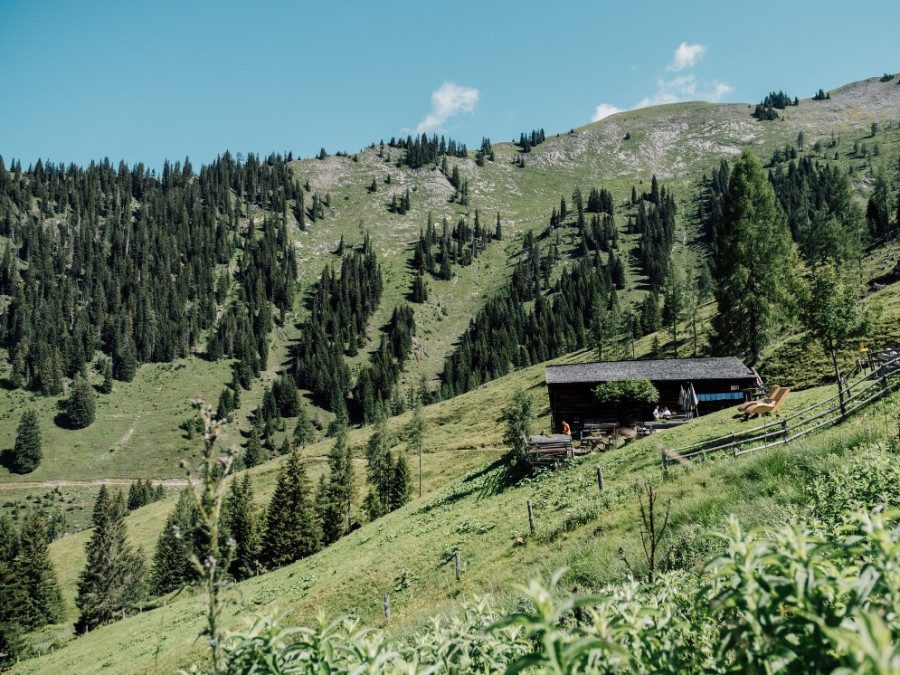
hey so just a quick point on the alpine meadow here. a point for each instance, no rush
(389, 411)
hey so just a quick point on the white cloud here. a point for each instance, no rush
(686, 88)
(605, 110)
(449, 100)
(677, 88)
(686, 56)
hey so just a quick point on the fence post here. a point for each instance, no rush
(600, 478)
(530, 517)
(784, 431)
(387, 609)
(457, 561)
(882, 375)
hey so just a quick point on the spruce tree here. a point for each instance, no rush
(27, 448)
(241, 522)
(225, 405)
(81, 405)
(106, 370)
(754, 262)
(380, 466)
(416, 439)
(254, 453)
(335, 497)
(401, 484)
(292, 530)
(41, 599)
(125, 360)
(304, 432)
(139, 494)
(111, 583)
(172, 567)
(11, 592)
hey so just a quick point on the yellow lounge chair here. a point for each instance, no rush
(769, 408)
(770, 397)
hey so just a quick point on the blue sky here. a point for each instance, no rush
(142, 82)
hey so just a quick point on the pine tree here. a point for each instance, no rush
(139, 494)
(11, 592)
(81, 405)
(224, 407)
(111, 583)
(241, 523)
(27, 448)
(335, 497)
(254, 453)
(106, 370)
(304, 432)
(291, 530)
(754, 259)
(380, 466)
(416, 438)
(172, 567)
(42, 601)
(125, 360)
(673, 305)
(401, 484)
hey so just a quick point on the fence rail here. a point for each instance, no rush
(787, 429)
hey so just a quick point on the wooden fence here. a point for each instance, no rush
(857, 395)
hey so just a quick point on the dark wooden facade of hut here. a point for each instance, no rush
(718, 382)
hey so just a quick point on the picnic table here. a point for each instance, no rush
(549, 448)
(600, 436)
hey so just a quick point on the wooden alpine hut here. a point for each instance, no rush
(714, 383)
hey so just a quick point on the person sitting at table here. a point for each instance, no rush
(566, 429)
(666, 413)
(656, 413)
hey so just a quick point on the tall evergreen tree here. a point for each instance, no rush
(379, 467)
(81, 405)
(416, 437)
(673, 305)
(41, 598)
(335, 497)
(304, 432)
(27, 448)
(292, 530)
(254, 453)
(172, 566)
(106, 369)
(11, 592)
(401, 483)
(242, 525)
(112, 581)
(754, 262)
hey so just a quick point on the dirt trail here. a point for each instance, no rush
(168, 482)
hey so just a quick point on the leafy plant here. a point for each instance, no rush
(626, 392)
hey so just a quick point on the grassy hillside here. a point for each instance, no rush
(481, 511)
(134, 435)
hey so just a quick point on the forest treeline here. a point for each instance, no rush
(135, 265)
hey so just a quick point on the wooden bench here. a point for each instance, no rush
(545, 450)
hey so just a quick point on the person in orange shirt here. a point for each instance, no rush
(567, 430)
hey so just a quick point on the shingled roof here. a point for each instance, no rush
(658, 370)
